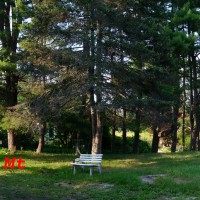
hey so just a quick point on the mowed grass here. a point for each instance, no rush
(50, 176)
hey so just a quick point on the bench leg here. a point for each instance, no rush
(91, 168)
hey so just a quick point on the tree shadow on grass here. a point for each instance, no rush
(37, 183)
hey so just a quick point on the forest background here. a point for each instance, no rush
(73, 74)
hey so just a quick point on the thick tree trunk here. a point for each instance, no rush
(97, 138)
(41, 138)
(11, 140)
(88, 60)
(11, 100)
(93, 112)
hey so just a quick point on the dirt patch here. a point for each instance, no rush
(180, 181)
(65, 185)
(101, 186)
(176, 198)
(150, 179)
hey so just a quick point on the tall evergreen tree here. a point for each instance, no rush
(186, 20)
(11, 15)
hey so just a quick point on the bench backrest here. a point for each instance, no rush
(91, 158)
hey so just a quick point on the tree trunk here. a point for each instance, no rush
(11, 140)
(88, 48)
(113, 131)
(41, 138)
(11, 100)
(192, 140)
(183, 126)
(184, 109)
(190, 61)
(91, 77)
(124, 139)
(97, 138)
(89, 147)
(155, 142)
(197, 129)
(174, 128)
(114, 116)
(78, 152)
(137, 132)
(196, 103)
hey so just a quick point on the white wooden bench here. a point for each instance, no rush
(88, 160)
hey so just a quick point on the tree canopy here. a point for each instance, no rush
(107, 65)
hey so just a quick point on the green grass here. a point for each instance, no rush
(50, 176)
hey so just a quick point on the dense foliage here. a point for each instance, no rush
(74, 73)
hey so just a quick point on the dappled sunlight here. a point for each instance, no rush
(127, 163)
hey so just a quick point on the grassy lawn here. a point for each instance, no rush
(50, 176)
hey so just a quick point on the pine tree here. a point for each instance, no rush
(11, 15)
(186, 20)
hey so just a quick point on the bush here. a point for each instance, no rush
(144, 147)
